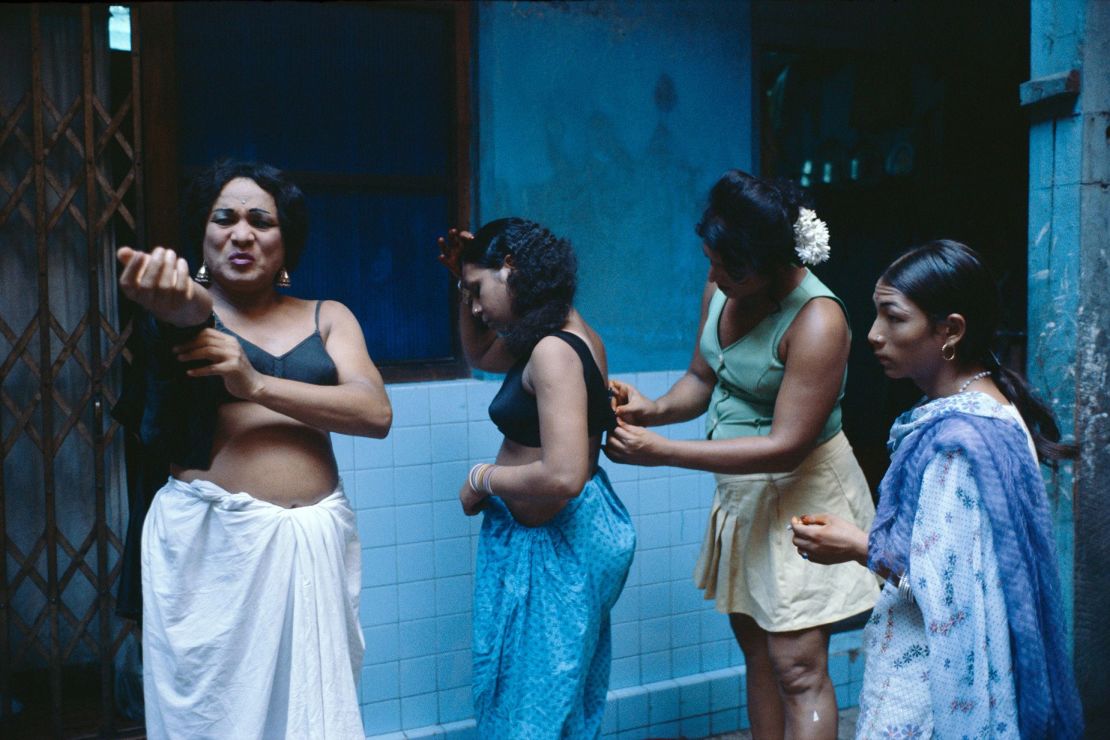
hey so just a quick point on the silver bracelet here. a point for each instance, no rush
(905, 591)
(480, 477)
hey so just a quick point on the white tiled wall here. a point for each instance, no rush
(676, 668)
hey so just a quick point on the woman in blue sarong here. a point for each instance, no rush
(556, 542)
(968, 638)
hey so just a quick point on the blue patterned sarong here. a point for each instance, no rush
(542, 597)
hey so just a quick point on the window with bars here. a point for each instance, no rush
(365, 106)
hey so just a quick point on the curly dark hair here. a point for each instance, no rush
(542, 280)
(749, 222)
(209, 183)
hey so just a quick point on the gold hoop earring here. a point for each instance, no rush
(283, 280)
(202, 276)
(948, 352)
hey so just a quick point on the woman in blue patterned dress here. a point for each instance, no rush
(968, 637)
(556, 542)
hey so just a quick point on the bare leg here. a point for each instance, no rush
(800, 663)
(765, 706)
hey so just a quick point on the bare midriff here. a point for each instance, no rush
(268, 455)
(539, 511)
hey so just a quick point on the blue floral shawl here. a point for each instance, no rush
(1013, 495)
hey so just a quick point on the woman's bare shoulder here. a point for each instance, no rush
(821, 321)
(332, 312)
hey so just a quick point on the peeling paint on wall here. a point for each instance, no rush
(1069, 358)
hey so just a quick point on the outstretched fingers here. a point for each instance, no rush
(167, 279)
(134, 265)
(146, 280)
(450, 250)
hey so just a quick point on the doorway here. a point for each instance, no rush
(903, 122)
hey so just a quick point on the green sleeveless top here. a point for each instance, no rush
(749, 371)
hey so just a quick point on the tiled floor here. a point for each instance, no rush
(846, 730)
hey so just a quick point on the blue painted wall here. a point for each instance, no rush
(608, 122)
(1055, 164)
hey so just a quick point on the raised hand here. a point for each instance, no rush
(450, 250)
(160, 283)
(226, 359)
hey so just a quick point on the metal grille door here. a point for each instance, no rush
(70, 189)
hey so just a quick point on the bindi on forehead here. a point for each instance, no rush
(247, 205)
(225, 209)
(242, 191)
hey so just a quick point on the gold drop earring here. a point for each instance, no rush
(283, 280)
(202, 276)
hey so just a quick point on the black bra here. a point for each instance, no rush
(514, 409)
(307, 362)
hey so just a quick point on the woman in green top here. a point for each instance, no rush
(768, 372)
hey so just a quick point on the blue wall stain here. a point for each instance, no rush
(608, 123)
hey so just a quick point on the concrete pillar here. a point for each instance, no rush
(1069, 305)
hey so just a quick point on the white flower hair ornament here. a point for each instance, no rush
(811, 238)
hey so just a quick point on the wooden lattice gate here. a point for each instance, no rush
(70, 190)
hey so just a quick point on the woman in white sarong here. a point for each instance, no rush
(250, 554)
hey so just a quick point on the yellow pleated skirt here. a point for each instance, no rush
(748, 563)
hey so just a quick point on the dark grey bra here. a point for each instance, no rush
(308, 362)
(516, 414)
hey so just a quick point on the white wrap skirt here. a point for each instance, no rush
(250, 616)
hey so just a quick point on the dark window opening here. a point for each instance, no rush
(361, 105)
